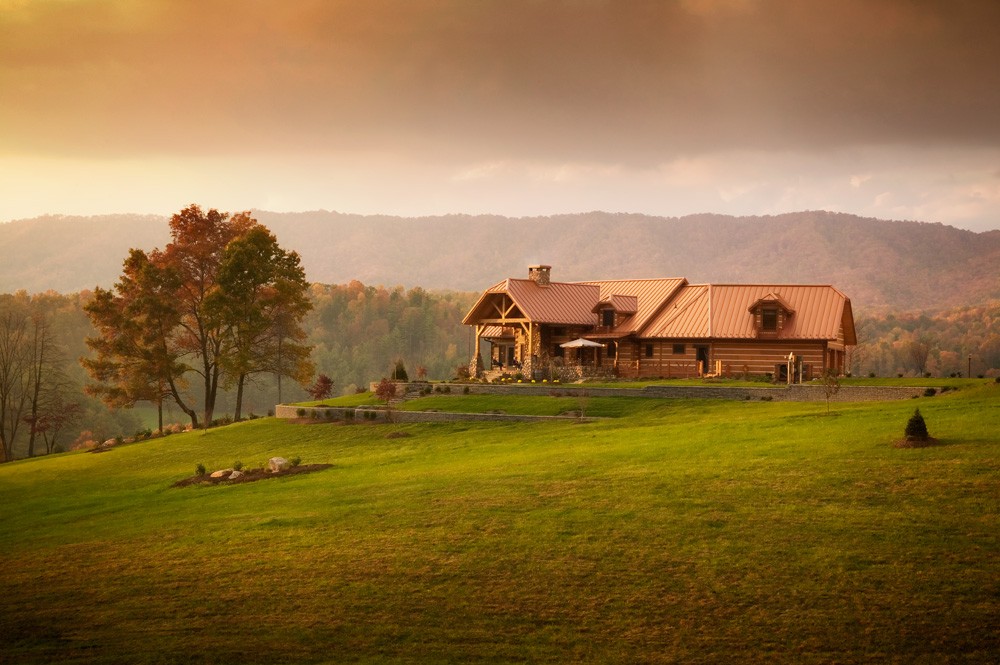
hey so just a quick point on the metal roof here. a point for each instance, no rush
(686, 315)
(650, 295)
(722, 311)
(672, 308)
(556, 303)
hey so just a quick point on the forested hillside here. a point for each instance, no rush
(945, 344)
(359, 332)
(884, 266)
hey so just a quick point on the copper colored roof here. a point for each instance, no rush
(558, 302)
(671, 308)
(722, 311)
(650, 295)
(497, 332)
(684, 316)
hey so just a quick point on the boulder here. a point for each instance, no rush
(236, 474)
(221, 473)
(276, 464)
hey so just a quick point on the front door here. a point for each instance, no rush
(702, 356)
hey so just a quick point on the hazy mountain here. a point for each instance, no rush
(880, 264)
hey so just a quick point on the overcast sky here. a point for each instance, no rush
(883, 108)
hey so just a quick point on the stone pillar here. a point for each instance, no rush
(476, 364)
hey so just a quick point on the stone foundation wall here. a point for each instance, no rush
(793, 393)
(371, 414)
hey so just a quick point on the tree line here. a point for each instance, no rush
(962, 341)
(43, 406)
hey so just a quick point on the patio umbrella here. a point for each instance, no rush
(581, 343)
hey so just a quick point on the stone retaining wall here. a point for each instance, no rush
(372, 414)
(793, 393)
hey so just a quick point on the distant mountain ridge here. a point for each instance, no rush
(881, 265)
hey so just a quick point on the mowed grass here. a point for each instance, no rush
(680, 531)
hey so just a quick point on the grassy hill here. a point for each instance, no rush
(693, 531)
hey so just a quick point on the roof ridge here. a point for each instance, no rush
(761, 284)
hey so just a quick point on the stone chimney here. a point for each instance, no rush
(540, 274)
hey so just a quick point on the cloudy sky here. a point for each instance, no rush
(883, 108)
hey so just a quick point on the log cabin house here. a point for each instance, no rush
(645, 328)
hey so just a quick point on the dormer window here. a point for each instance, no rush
(608, 318)
(771, 314)
(769, 319)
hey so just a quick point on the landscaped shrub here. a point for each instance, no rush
(930, 392)
(237, 465)
(200, 469)
(300, 412)
(348, 414)
(296, 461)
(916, 428)
(466, 390)
(322, 388)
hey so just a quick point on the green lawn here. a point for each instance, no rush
(680, 531)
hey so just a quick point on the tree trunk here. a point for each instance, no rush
(239, 398)
(192, 414)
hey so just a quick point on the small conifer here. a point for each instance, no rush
(916, 428)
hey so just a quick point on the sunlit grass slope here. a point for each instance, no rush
(691, 531)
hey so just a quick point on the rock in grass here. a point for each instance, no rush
(276, 464)
(221, 473)
(236, 475)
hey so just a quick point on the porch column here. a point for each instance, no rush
(527, 364)
(476, 364)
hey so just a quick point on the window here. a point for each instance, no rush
(612, 349)
(649, 350)
(608, 317)
(679, 349)
(769, 320)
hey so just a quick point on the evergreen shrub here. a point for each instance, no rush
(916, 428)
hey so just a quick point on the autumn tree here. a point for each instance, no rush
(229, 305)
(385, 391)
(322, 388)
(137, 357)
(258, 302)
